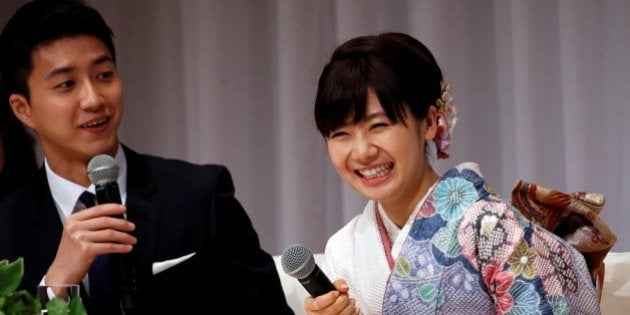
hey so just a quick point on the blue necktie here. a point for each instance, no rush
(100, 283)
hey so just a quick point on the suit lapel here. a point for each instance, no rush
(142, 209)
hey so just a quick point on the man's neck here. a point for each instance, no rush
(75, 172)
(72, 169)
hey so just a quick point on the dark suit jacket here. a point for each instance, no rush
(178, 208)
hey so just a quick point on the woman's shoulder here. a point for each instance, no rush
(348, 232)
(355, 231)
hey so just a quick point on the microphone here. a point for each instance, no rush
(103, 173)
(298, 262)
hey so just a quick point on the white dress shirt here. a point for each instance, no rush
(66, 193)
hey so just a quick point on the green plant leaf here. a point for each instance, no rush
(76, 307)
(10, 275)
(57, 307)
(21, 302)
(61, 307)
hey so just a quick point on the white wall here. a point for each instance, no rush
(541, 87)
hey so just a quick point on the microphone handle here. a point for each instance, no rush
(108, 193)
(317, 283)
(125, 281)
(120, 264)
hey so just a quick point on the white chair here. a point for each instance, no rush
(616, 290)
(615, 295)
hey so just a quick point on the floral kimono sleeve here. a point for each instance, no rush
(525, 268)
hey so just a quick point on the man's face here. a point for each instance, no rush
(75, 103)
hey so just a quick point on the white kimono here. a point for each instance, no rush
(356, 254)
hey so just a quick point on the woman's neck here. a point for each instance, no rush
(399, 213)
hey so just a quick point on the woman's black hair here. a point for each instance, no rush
(399, 68)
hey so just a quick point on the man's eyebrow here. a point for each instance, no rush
(102, 59)
(98, 61)
(60, 70)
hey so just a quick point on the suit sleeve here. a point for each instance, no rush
(250, 278)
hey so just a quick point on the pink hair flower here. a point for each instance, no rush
(446, 120)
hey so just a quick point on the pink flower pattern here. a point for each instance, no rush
(427, 209)
(499, 283)
(488, 233)
(553, 264)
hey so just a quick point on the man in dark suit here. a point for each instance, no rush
(191, 244)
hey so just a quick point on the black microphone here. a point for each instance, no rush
(298, 262)
(103, 173)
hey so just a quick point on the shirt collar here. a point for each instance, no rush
(66, 193)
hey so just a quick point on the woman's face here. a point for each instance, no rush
(381, 160)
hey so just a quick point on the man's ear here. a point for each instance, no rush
(21, 109)
(431, 123)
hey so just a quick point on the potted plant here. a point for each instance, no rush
(21, 302)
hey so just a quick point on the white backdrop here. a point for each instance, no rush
(542, 88)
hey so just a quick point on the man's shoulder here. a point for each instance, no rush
(161, 163)
(33, 189)
(170, 172)
(9, 200)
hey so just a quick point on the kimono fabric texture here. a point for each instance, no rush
(463, 250)
(574, 217)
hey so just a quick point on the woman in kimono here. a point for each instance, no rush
(425, 243)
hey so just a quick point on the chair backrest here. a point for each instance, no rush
(616, 288)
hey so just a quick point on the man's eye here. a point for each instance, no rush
(105, 75)
(65, 84)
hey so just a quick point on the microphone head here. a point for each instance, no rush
(102, 169)
(298, 261)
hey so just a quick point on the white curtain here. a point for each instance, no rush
(542, 88)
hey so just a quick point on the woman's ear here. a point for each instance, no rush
(431, 123)
(21, 109)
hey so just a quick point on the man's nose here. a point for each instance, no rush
(90, 97)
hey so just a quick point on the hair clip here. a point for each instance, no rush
(446, 120)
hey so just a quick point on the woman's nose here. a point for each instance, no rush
(364, 150)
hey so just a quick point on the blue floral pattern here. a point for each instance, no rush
(453, 196)
(458, 261)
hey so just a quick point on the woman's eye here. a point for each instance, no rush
(337, 134)
(378, 125)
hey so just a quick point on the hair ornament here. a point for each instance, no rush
(446, 120)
